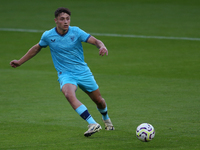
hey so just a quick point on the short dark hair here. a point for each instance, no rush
(61, 10)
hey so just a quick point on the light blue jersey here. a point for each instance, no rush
(67, 54)
(66, 50)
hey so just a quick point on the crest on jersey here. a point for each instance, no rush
(72, 38)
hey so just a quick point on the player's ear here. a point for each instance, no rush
(55, 20)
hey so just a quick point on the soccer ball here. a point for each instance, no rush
(145, 132)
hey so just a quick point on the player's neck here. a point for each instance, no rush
(61, 32)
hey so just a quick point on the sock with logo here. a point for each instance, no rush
(83, 112)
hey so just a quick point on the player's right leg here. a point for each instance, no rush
(69, 92)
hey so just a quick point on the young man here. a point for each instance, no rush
(67, 54)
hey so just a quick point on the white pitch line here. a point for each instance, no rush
(147, 37)
(21, 30)
(110, 35)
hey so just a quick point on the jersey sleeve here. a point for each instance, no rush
(43, 41)
(83, 35)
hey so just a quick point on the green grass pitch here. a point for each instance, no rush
(150, 80)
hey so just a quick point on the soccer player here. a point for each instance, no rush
(67, 55)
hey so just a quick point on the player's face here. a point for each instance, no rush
(62, 22)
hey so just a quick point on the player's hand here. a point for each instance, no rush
(15, 63)
(103, 51)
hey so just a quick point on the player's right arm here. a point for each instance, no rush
(31, 53)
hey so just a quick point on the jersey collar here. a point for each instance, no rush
(62, 34)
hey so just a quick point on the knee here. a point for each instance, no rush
(69, 91)
(69, 96)
(98, 99)
(100, 102)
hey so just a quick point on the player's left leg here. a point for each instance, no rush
(102, 108)
(88, 84)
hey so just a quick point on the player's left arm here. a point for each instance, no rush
(99, 44)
